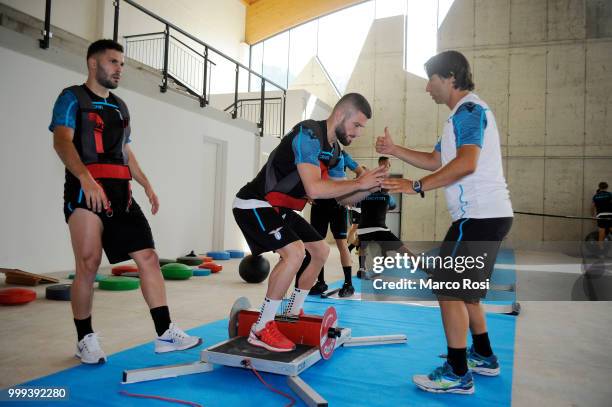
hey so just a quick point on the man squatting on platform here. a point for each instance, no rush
(307, 164)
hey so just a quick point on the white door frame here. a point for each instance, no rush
(218, 237)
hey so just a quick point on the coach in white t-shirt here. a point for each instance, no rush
(467, 162)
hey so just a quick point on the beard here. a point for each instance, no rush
(105, 79)
(341, 135)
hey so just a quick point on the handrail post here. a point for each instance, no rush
(46, 32)
(204, 99)
(235, 112)
(282, 132)
(261, 108)
(164, 86)
(116, 23)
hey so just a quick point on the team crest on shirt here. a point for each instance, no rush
(276, 233)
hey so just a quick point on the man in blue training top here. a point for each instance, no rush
(602, 208)
(307, 164)
(91, 135)
(329, 213)
(467, 162)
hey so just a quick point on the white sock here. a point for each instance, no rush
(296, 302)
(267, 313)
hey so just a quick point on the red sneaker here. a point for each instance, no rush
(271, 338)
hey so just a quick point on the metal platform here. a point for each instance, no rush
(234, 352)
(237, 352)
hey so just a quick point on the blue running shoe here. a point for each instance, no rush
(443, 380)
(486, 366)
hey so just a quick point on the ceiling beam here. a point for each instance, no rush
(264, 18)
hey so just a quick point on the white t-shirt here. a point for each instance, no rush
(484, 193)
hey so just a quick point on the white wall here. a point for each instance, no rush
(218, 23)
(190, 155)
(78, 17)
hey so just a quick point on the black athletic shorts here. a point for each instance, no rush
(326, 212)
(126, 231)
(387, 240)
(605, 222)
(268, 229)
(355, 216)
(478, 239)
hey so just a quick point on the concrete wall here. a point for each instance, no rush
(543, 67)
(190, 155)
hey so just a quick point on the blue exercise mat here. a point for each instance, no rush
(236, 254)
(223, 255)
(361, 376)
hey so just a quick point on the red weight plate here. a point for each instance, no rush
(327, 344)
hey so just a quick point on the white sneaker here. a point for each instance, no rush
(175, 339)
(89, 350)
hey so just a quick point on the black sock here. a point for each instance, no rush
(161, 319)
(362, 262)
(321, 277)
(457, 358)
(348, 270)
(351, 247)
(83, 327)
(482, 345)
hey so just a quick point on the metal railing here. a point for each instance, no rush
(170, 46)
(180, 62)
(249, 109)
(185, 64)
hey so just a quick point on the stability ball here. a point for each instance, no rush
(254, 269)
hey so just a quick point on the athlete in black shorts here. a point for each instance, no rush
(326, 212)
(91, 135)
(306, 164)
(467, 162)
(372, 223)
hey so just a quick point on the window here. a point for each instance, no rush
(341, 38)
(256, 65)
(390, 8)
(302, 47)
(275, 62)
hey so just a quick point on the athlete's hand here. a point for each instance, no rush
(398, 185)
(372, 178)
(384, 143)
(153, 200)
(95, 198)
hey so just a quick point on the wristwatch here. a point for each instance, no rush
(416, 185)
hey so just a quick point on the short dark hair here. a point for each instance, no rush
(382, 158)
(102, 45)
(603, 185)
(357, 101)
(451, 63)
